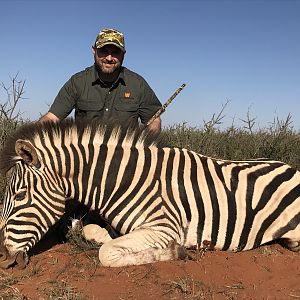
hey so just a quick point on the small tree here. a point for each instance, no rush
(10, 116)
(14, 94)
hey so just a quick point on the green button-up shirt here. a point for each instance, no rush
(129, 98)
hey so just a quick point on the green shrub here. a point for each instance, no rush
(278, 141)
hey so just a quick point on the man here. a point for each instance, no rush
(107, 90)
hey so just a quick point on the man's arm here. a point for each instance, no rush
(148, 107)
(49, 117)
(63, 103)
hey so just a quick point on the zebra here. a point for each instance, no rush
(160, 200)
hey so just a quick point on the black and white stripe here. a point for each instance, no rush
(134, 183)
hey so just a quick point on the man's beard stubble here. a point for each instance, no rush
(110, 70)
(102, 69)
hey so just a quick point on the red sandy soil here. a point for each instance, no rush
(56, 271)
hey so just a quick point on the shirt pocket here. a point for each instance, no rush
(126, 111)
(125, 105)
(89, 105)
(89, 109)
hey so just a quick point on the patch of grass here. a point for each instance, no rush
(89, 248)
(7, 291)
(196, 254)
(295, 294)
(236, 286)
(60, 290)
(53, 261)
(12, 293)
(7, 279)
(268, 250)
(86, 270)
(188, 288)
(33, 270)
(75, 238)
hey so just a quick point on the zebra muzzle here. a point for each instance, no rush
(5, 260)
(18, 259)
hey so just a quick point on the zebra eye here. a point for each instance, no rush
(20, 196)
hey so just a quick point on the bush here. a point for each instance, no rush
(278, 141)
(236, 144)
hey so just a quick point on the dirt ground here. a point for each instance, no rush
(59, 271)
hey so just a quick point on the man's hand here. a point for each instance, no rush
(155, 126)
(49, 117)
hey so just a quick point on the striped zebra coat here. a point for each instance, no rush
(160, 200)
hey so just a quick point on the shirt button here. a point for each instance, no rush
(106, 109)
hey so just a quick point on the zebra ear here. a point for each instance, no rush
(27, 152)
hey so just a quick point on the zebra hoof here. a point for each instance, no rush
(179, 252)
(294, 246)
(290, 244)
(93, 232)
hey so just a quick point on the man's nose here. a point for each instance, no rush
(109, 57)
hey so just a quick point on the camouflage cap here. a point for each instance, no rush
(110, 37)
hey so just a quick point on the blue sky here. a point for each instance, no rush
(245, 52)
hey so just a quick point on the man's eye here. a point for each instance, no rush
(102, 52)
(20, 196)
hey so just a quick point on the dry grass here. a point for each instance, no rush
(188, 288)
(79, 243)
(7, 291)
(61, 290)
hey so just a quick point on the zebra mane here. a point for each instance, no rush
(71, 131)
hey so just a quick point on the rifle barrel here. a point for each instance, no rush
(164, 106)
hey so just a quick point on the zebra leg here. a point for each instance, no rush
(94, 232)
(139, 247)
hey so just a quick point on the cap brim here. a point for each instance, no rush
(110, 43)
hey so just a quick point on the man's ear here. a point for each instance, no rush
(94, 50)
(28, 153)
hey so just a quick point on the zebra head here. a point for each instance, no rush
(33, 203)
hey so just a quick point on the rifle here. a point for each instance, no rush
(163, 108)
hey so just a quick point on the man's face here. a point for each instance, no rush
(108, 58)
